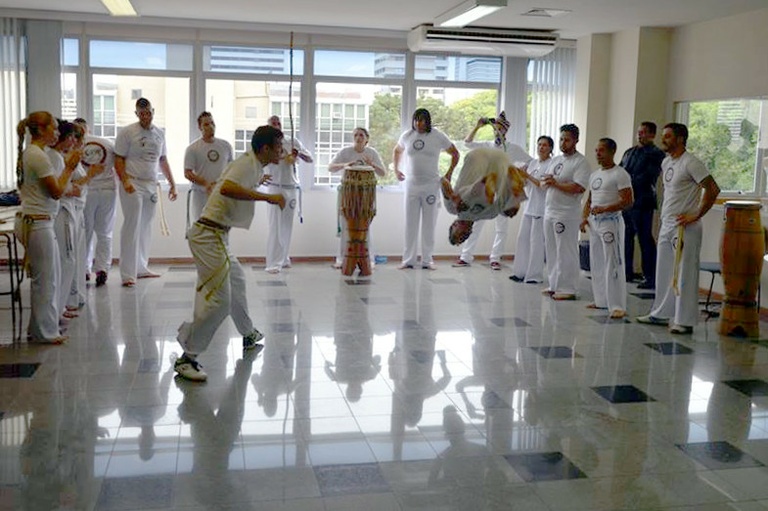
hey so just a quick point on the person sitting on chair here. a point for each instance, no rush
(487, 186)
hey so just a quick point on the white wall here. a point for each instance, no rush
(316, 237)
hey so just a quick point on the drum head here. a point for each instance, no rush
(743, 204)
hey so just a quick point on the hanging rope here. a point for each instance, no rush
(290, 118)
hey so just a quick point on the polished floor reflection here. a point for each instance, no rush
(411, 390)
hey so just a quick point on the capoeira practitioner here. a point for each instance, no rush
(139, 150)
(40, 188)
(487, 186)
(204, 161)
(99, 204)
(610, 193)
(567, 178)
(421, 145)
(683, 207)
(517, 157)
(529, 255)
(283, 180)
(220, 279)
(68, 221)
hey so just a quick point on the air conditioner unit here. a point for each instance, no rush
(482, 41)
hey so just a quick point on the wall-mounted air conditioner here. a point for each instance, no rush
(482, 41)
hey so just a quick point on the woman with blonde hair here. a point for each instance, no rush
(40, 189)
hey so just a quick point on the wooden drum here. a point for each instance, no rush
(741, 257)
(358, 205)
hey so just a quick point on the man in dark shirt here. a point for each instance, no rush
(643, 162)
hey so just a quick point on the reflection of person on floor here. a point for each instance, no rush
(355, 362)
(487, 186)
(276, 377)
(214, 433)
(411, 363)
(463, 467)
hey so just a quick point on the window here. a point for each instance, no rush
(475, 69)
(141, 55)
(356, 89)
(240, 106)
(725, 135)
(70, 59)
(104, 123)
(245, 59)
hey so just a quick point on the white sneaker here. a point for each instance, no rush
(189, 369)
(250, 340)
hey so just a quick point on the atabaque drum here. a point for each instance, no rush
(358, 205)
(741, 258)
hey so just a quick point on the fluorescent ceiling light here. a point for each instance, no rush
(469, 11)
(120, 7)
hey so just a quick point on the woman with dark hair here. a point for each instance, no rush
(422, 145)
(40, 189)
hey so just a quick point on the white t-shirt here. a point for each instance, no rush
(566, 169)
(35, 199)
(142, 150)
(100, 151)
(536, 194)
(517, 155)
(422, 155)
(682, 190)
(245, 171)
(349, 154)
(208, 159)
(282, 173)
(66, 202)
(604, 185)
(78, 174)
(480, 165)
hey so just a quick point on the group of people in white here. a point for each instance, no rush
(69, 183)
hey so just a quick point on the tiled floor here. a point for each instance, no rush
(412, 390)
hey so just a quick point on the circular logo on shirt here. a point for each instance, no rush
(597, 183)
(559, 227)
(668, 174)
(477, 208)
(213, 156)
(418, 145)
(154, 198)
(558, 169)
(292, 204)
(674, 242)
(94, 153)
(431, 199)
(609, 237)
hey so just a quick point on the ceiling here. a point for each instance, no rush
(587, 16)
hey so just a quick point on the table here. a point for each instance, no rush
(15, 268)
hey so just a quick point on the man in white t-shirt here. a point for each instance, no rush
(488, 186)
(566, 179)
(417, 152)
(204, 161)
(610, 193)
(139, 152)
(282, 179)
(220, 289)
(517, 157)
(100, 204)
(685, 176)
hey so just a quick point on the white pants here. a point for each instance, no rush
(197, 200)
(64, 226)
(561, 240)
(421, 207)
(44, 278)
(136, 233)
(606, 259)
(344, 238)
(529, 255)
(220, 290)
(99, 221)
(280, 228)
(683, 309)
(78, 288)
(499, 241)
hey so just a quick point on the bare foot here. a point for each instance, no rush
(618, 314)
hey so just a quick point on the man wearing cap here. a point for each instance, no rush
(517, 157)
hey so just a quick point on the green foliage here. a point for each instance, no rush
(731, 160)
